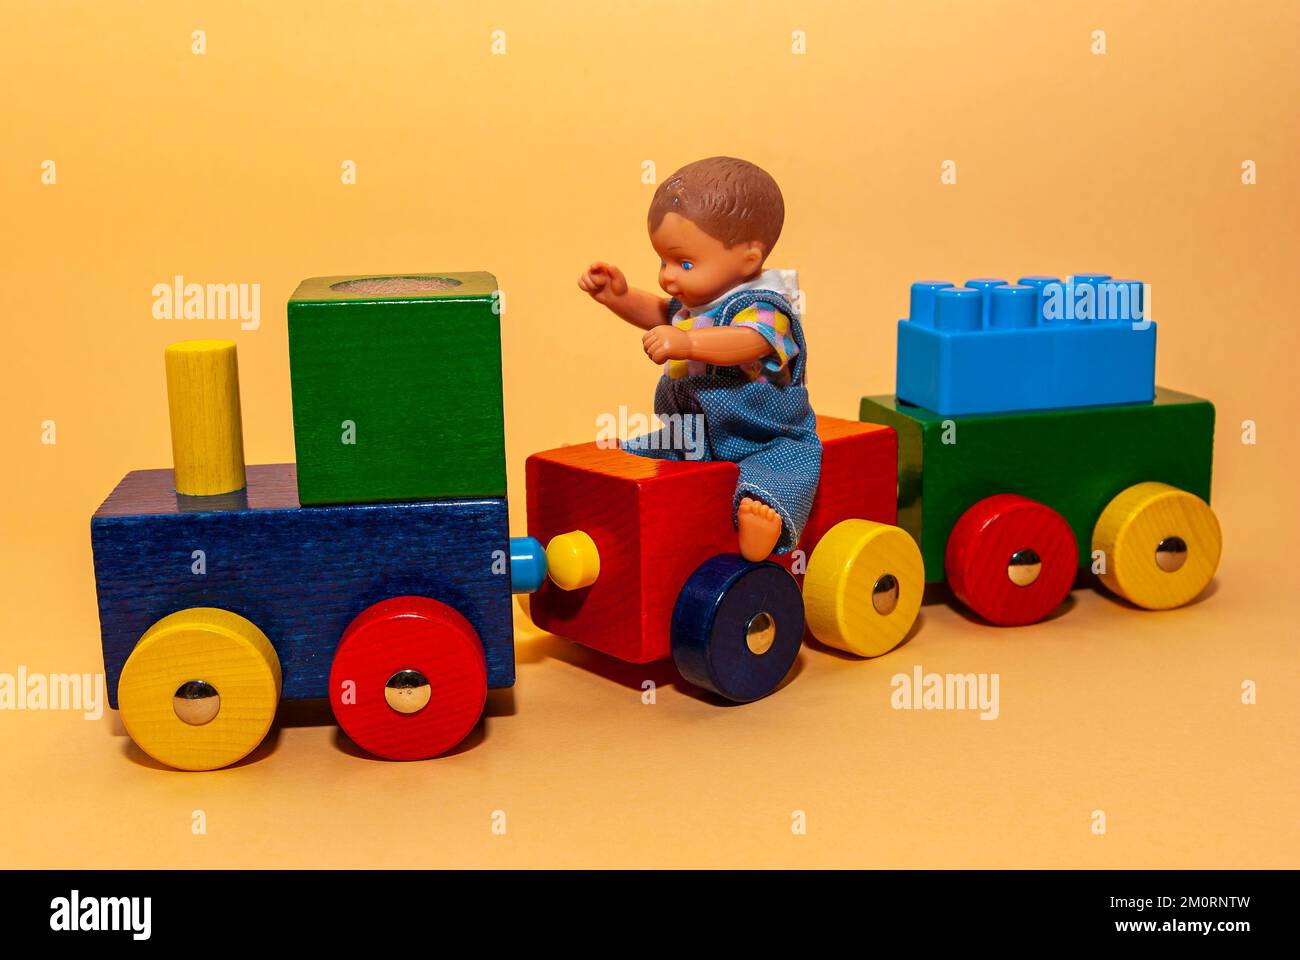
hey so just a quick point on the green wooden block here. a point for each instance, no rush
(1072, 460)
(397, 388)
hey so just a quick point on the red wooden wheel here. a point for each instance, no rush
(408, 681)
(1012, 560)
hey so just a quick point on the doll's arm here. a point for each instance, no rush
(605, 284)
(724, 346)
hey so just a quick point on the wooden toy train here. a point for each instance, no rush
(1028, 442)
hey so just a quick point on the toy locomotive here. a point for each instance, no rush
(1026, 443)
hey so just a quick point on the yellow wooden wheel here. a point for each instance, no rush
(200, 688)
(863, 587)
(1161, 545)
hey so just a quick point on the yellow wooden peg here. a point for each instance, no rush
(207, 433)
(1161, 545)
(572, 560)
(863, 587)
(200, 689)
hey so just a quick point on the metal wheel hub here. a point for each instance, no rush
(408, 691)
(196, 702)
(1024, 567)
(884, 594)
(1171, 554)
(760, 633)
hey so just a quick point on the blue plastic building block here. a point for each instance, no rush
(300, 574)
(527, 564)
(1040, 344)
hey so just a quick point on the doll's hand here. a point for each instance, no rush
(666, 342)
(604, 282)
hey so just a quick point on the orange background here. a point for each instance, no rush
(225, 168)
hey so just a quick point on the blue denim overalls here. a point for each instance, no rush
(768, 431)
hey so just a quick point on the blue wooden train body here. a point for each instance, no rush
(300, 574)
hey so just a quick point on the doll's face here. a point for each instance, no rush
(697, 268)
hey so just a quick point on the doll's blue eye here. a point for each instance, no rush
(687, 265)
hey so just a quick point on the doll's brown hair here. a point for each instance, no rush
(733, 201)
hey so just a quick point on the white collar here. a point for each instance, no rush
(770, 279)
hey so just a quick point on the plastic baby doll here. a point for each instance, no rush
(731, 340)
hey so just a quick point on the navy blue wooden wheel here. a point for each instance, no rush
(737, 627)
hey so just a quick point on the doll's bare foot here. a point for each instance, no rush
(760, 529)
